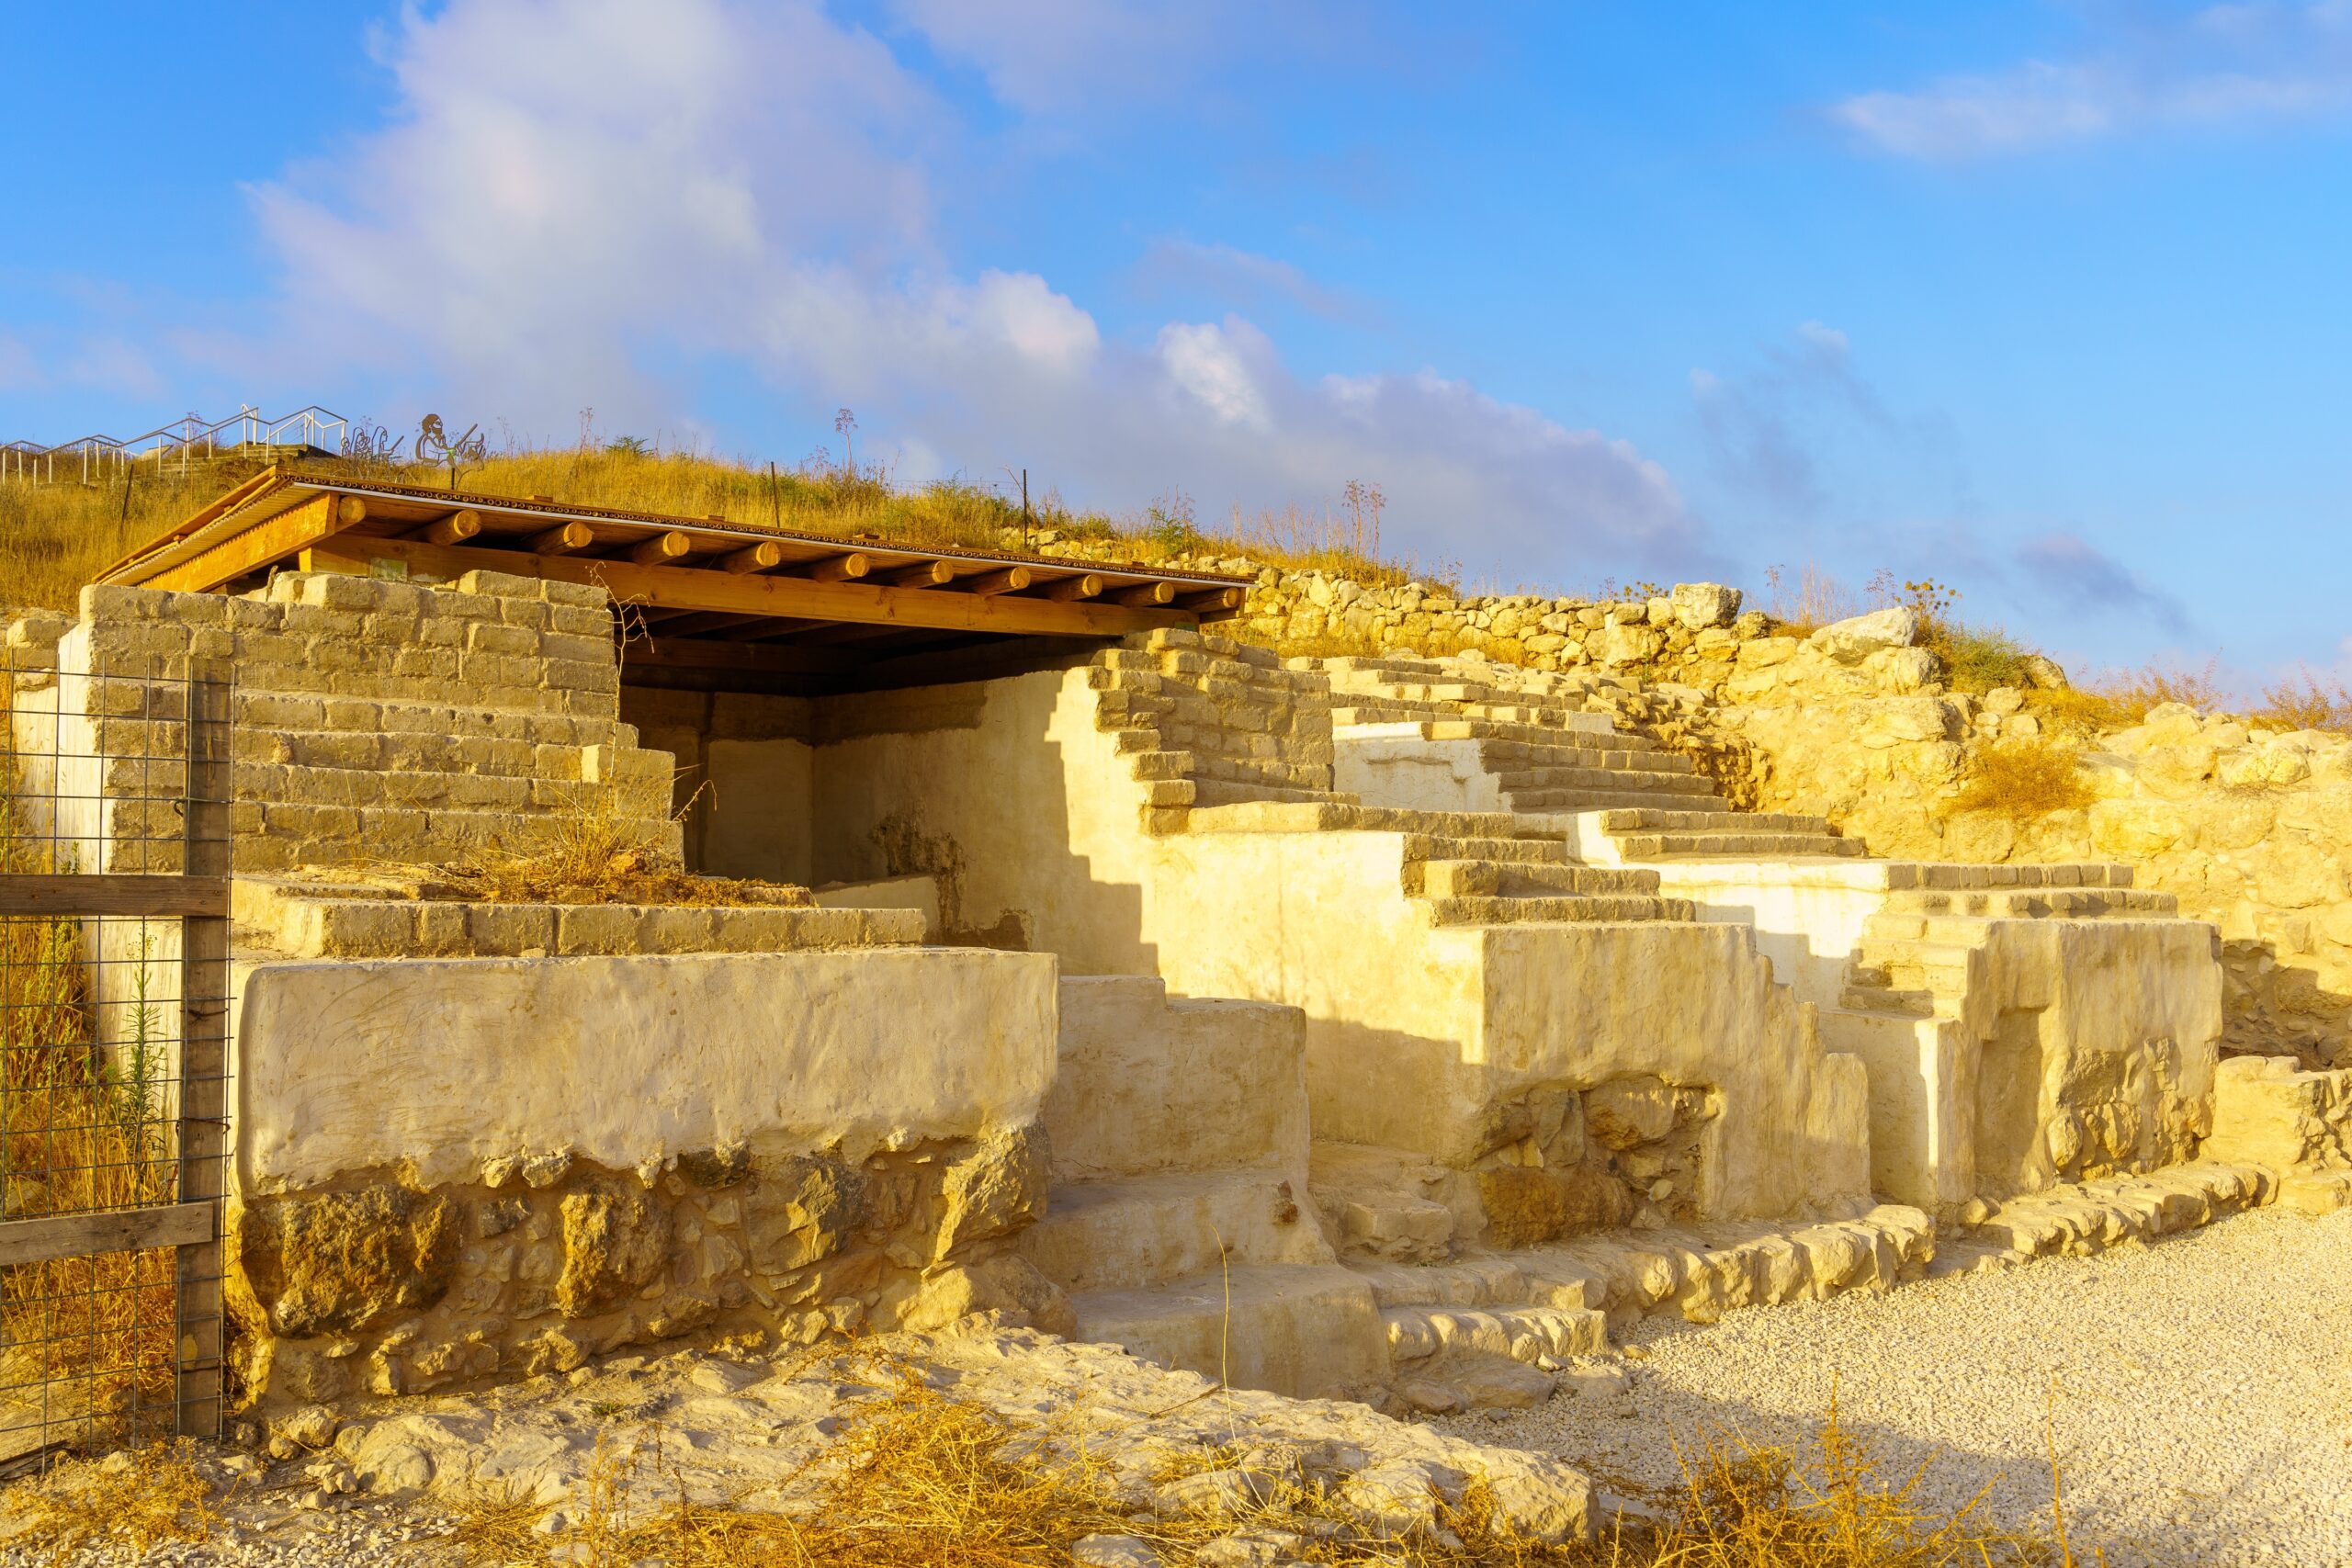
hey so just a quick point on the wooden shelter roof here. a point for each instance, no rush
(719, 604)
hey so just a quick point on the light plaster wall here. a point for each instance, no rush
(1149, 1085)
(1026, 811)
(1807, 919)
(2085, 1048)
(626, 1060)
(1008, 792)
(1392, 765)
(455, 1171)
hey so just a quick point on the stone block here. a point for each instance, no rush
(335, 1262)
(498, 584)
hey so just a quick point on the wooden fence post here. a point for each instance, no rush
(204, 1054)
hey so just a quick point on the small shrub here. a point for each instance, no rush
(2024, 778)
(1815, 600)
(2305, 701)
(2115, 699)
(595, 857)
(1977, 658)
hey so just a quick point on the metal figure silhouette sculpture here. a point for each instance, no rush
(468, 451)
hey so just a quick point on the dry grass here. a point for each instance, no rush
(2115, 699)
(62, 535)
(78, 1132)
(927, 1477)
(1813, 600)
(597, 857)
(2308, 701)
(128, 1503)
(2023, 780)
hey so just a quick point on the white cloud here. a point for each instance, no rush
(1209, 364)
(573, 206)
(1242, 277)
(1053, 55)
(2222, 63)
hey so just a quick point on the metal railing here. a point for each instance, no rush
(186, 440)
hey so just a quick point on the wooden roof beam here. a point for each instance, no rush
(923, 574)
(1086, 585)
(771, 596)
(765, 556)
(1012, 580)
(454, 529)
(838, 569)
(563, 539)
(666, 548)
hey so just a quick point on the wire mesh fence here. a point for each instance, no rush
(113, 1069)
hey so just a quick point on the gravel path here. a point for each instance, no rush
(2203, 1392)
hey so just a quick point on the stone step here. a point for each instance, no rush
(285, 783)
(1915, 956)
(1515, 1279)
(1924, 879)
(1141, 1231)
(1745, 846)
(1341, 813)
(1500, 911)
(1577, 772)
(1609, 784)
(1565, 748)
(408, 753)
(1578, 802)
(1517, 851)
(1887, 925)
(307, 920)
(1441, 721)
(1862, 994)
(1485, 878)
(2043, 903)
(1233, 792)
(1305, 1331)
(1656, 819)
(1529, 1334)
(1538, 715)
(1577, 729)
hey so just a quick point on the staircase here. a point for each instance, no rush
(1920, 950)
(1544, 758)
(1654, 835)
(1176, 1219)
(1205, 721)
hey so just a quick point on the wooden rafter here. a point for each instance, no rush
(801, 598)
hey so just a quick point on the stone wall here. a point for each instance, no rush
(451, 1171)
(1023, 797)
(2249, 827)
(2267, 1112)
(373, 720)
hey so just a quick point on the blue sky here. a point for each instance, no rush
(2047, 301)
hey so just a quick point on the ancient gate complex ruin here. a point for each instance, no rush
(1332, 1025)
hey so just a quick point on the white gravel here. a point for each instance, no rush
(2203, 1392)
